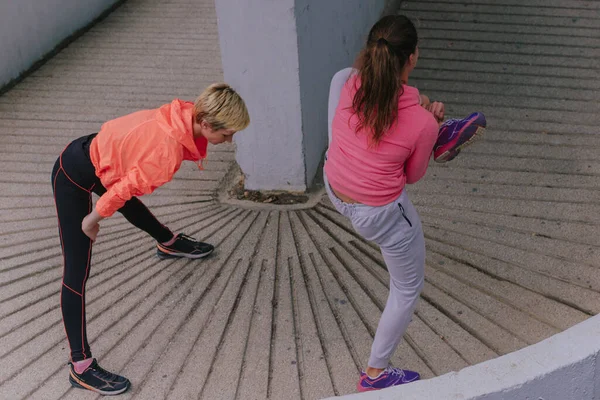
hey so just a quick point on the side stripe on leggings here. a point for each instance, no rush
(61, 169)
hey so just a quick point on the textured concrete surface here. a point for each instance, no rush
(288, 305)
(53, 21)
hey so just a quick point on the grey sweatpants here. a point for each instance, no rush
(396, 229)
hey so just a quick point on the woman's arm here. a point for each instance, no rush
(416, 165)
(90, 225)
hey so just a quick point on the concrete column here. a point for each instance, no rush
(280, 55)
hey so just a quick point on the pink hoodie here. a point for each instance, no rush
(376, 176)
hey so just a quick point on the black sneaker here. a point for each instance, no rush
(184, 246)
(97, 379)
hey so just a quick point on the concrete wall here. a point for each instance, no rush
(260, 60)
(281, 55)
(330, 35)
(29, 29)
(563, 367)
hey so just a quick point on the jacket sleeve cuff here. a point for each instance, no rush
(105, 207)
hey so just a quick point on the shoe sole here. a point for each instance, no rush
(80, 385)
(163, 255)
(360, 388)
(363, 389)
(450, 154)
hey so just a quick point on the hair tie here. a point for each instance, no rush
(382, 41)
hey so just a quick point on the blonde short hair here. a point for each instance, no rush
(222, 108)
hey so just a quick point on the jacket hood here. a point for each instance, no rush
(176, 119)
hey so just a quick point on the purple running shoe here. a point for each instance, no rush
(457, 133)
(388, 378)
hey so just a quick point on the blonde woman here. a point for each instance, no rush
(130, 156)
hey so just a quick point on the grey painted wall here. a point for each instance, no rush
(280, 56)
(260, 60)
(330, 35)
(29, 29)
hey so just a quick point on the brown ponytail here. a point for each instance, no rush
(390, 43)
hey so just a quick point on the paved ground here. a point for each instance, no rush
(287, 307)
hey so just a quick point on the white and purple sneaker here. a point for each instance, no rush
(455, 134)
(388, 378)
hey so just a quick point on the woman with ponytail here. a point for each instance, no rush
(383, 135)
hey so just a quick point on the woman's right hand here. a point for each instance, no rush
(437, 109)
(90, 225)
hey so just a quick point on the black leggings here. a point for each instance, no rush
(73, 181)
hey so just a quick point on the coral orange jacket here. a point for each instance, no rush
(136, 153)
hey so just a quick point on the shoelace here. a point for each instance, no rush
(448, 122)
(192, 242)
(104, 374)
(188, 238)
(396, 371)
